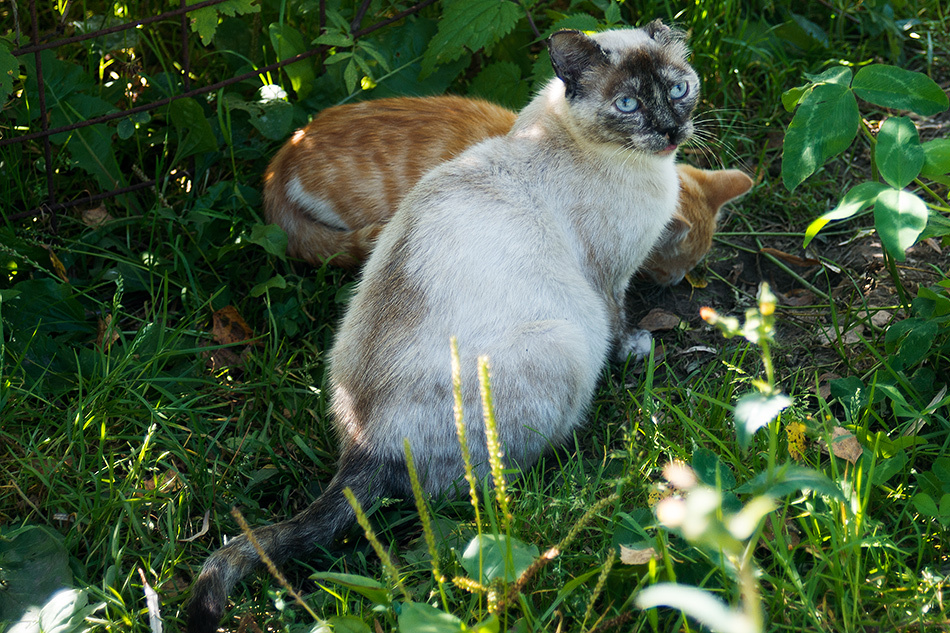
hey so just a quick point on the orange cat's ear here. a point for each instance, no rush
(677, 229)
(725, 185)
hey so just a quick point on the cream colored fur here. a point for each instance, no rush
(522, 249)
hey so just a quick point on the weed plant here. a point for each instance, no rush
(163, 361)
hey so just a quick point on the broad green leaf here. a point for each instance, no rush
(469, 24)
(34, 563)
(501, 83)
(936, 158)
(348, 624)
(404, 48)
(899, 155)
(125, 129)
(910, 340)
(803, 33)
(899, 217)
(792, 97)
(204, 21)
(792, 478)
(712, 471)
(825, 124)
(351, 76)
(277, 281)
(287, 42)
(194, 132)
(856, 200)
(9, 69)
(576, 21)
(699, 604)
(839, 75)
(66, 611)
(893, 87)
(271, 116)
(925, 504)
(366, 587)
(418, 617)
(851, 393)
(888, 467)
(93, 150)
(755, 410)
(941, 468)
(945, 509)
(491, 552)
(334, 39)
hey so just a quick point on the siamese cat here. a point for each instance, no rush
(521, 248)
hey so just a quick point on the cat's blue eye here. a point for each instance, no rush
(679, 90)
(627, 104)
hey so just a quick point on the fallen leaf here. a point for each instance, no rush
(629, 556)
(168, 482)
(845, 445)
(696, 280)
(799, 297)
(824, 384)
(229, 327)
(658, 319)
(58, 267)
(106, 335)
(932, 243)
(699, 348)
(96, 217)
(788, 258)
(202, 531)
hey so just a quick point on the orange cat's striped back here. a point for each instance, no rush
(333, 185)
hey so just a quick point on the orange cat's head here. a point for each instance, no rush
(689, 237)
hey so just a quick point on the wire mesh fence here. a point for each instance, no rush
(33, 34)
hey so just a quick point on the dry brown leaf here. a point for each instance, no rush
(58, 267)
(229, 327)
(629, 556)
(168, 482)
(799, 297)
(202, 531)
(96, 217)
(697, 280)
(788, 258)
(104, 330)
(824, 384)
(658, 319)
(934, 244)
(845, 445)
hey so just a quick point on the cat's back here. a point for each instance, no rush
(358, 160)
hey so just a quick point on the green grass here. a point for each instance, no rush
(119, 432)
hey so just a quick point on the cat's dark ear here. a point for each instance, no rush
(572, 54)
(664, 34)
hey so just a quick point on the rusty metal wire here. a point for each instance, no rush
(51, 205)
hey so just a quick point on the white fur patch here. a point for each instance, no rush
(315, 206)
(635, 343)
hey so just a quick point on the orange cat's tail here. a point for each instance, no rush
(317, 242)
(310, 238)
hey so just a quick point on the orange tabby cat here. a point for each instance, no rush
(337, 180)
(334, 184)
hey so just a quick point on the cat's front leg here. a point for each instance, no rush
(629, 342)
(632, 343)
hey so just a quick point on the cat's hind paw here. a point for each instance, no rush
(634, 344)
